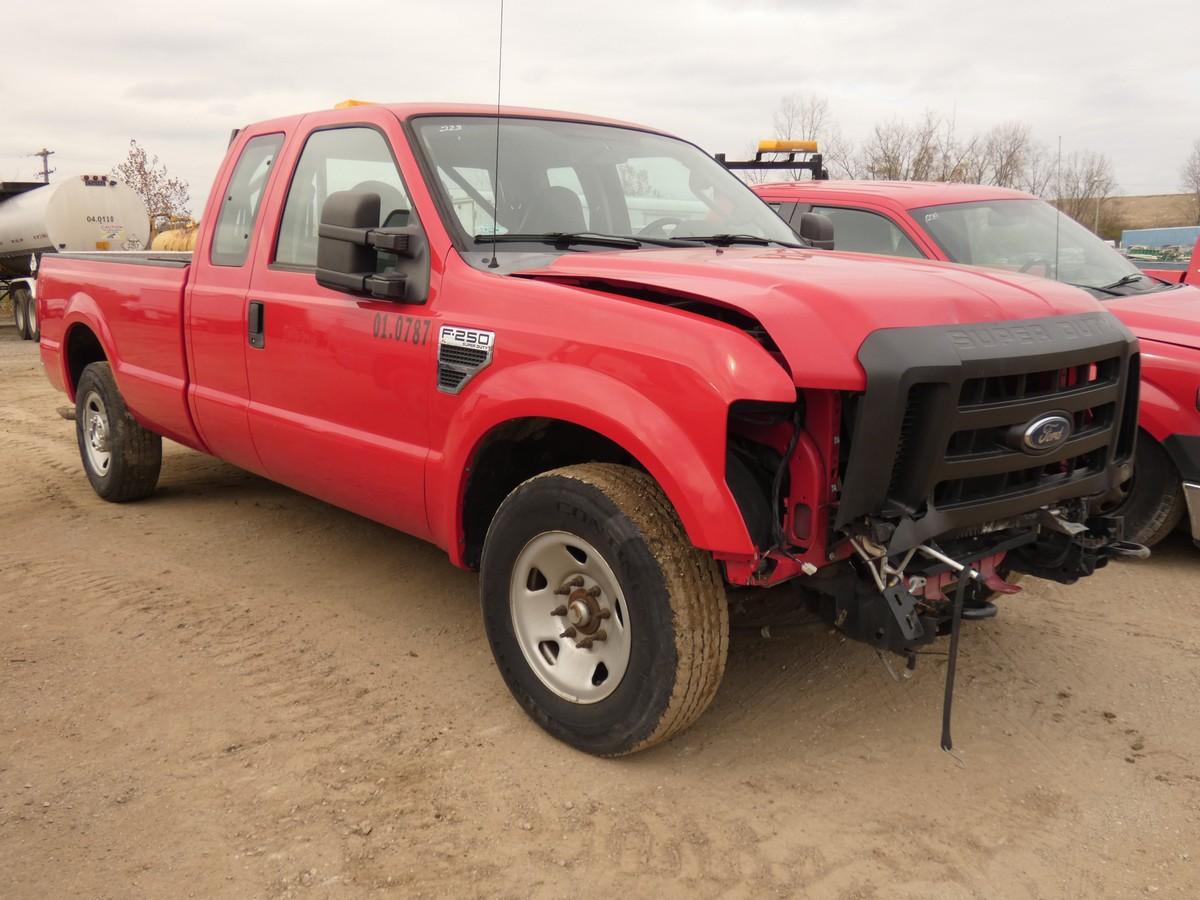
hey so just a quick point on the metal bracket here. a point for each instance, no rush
(903, 606)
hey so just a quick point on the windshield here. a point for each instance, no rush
(1030, 236)
(571, 178)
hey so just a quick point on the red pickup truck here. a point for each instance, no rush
(612, 380)
(1014, 231)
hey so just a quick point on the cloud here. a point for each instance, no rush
(178, 78)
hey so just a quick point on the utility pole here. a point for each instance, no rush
(46, 170)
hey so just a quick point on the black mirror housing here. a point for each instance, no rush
(816, 229)
(355, 255)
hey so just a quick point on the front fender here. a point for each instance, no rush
(682, 449)
(1170, 381)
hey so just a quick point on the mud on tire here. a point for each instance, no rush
(668, 600)
(121, 458)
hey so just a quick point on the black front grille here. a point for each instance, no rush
(948, 408)
(984, 461)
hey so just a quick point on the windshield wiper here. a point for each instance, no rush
(1110, 289)
(725, 240)
(1123, 280)
(562, 239)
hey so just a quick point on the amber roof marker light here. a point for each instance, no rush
(784, 155)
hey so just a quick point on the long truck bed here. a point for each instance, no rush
(137, 297)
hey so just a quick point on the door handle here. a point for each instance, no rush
(254, 324)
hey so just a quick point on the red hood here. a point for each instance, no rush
(1171, 316)
(819, 306)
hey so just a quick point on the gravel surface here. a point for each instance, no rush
(232, 690)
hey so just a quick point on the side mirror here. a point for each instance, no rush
(816, 229)
(357, 256)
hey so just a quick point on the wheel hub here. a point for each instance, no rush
(579, 613)
(98, 433)
(569, 617)
(97, 441)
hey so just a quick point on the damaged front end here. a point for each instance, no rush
(975, 453)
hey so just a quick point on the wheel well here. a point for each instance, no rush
(83, 349)
(518, 450)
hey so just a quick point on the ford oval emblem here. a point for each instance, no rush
(1045, 434)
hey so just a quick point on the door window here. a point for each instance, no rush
(338, 159)
(239, 209)
(866, 232)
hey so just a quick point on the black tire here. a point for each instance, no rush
(20, 312)
(33, 326)
(1154, 501)
(678, 620)
(134, 455)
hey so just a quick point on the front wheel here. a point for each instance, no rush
(609, 627)
(121, 458)
(1153, 502)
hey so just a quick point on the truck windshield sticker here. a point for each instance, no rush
(405, 329)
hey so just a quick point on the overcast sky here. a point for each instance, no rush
(83, 79)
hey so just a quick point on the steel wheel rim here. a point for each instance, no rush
(31, 314)
(96, 440)
(569, 617)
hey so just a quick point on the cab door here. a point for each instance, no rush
(340, 383)
(215, 305)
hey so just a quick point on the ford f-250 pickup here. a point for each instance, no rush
(612, 380)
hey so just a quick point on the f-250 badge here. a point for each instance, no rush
(462, 354)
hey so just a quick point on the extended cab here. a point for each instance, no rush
(1010, 230)
(612, 380)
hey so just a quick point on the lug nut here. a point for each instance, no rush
(594, 591)
(604, 614)
(586, 643)
(558, 611)
(569, 633)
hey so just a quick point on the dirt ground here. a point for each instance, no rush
(232, 690)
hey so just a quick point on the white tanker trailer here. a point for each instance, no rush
(87, 212)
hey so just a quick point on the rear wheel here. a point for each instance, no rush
(122, 459)
(609, 628)
(20, 312)
(1153, 502)
(33, 326)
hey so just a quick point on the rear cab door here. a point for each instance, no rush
(340, 383)
(216, 306)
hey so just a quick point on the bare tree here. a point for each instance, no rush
(1191, 180)
(898, 151)
(802, 117)
(1006, 154)
(1081, 185)
(1038, 176)
(166, 198)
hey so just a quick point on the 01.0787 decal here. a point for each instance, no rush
(408, 329)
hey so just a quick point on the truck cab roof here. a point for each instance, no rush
(906, 194)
